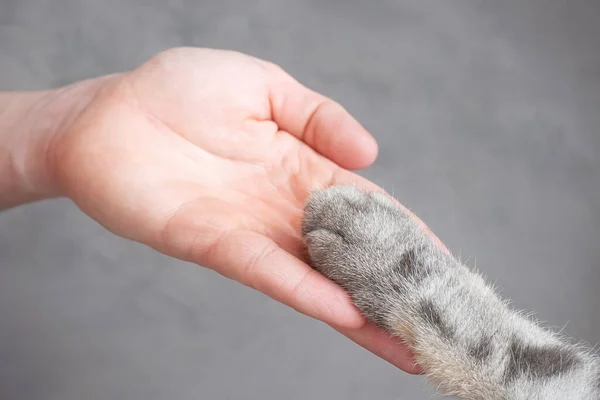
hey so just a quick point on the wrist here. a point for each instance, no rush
(30, 125)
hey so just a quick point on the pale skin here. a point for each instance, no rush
(204, 155)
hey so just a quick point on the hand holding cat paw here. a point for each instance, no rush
(209, 156)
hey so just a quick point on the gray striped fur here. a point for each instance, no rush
(470, 343)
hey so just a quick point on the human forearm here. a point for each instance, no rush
(22, 147)
(30, 124)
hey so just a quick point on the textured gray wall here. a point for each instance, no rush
(488, 119)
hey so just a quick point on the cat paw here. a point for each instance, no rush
(346, 228)
(344, 211)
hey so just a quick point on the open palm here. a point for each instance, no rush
(208, 156)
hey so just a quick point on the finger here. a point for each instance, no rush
(256, 261)
(320, 122)
(384, 346)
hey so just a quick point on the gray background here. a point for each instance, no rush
(488, 118)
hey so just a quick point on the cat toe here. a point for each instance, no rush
(333, 209)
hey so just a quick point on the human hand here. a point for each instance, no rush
(208, 156)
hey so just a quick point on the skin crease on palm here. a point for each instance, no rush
(208, 156)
